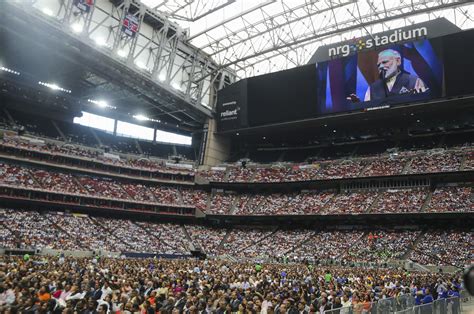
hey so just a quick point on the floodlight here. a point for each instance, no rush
(122, 53)
(140, 117)
(48, 11)
(76, 27)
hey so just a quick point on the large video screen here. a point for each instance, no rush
(403, 73)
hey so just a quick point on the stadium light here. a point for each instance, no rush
(100, 41)
(101, 103)
(48, 11)
(162, 77)
(176, 86)
(140, 117)
(122, 53)
(76, 27)
(141, 65)
(4, 69)
(145, 118)
(54, 86)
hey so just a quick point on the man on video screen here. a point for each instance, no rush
(392, 79)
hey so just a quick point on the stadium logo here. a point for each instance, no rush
(230, 113)
(375, 41)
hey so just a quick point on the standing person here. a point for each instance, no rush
(367, 304)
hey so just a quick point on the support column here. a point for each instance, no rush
(217, 147)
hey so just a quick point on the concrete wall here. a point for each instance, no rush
(217, 148)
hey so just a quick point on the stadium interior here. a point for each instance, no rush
(234, 156)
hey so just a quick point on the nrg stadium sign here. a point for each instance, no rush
(376, 41)
(429, 29)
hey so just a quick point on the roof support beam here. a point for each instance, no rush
(261, 5)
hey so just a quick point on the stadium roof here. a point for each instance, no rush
(261, 36)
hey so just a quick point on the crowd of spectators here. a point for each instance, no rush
(265, 204)
(213, 175)
(324, 245)
(350, 203)
(271, 174)
(171, 237)
(221, 203)
(207, 239)
(304, 202)
(63, 231)
(241, 174)
(59, 182)
(19, 176)
(383, 165)
(277, 244)
(197, 198)
(379, 246)
(452, 199)
(387, 166)
(165, 194)
(400, 201)
(104, 285)
(56, 148)
(469, 161)
(30, 229)
(129, 236)
(103, 187)
(34, 230)
(139, 192)
(88, 234)
(242, 202)
(341, 169)
(240, 239)
(308, 202)
(302, 173)
(449, 247)
(436, 162)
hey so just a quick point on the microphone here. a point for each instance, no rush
(382, 72)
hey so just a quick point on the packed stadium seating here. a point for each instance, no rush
(457, 159)
(54, 153)
(452, 199)
(441, 247)
(429, 161)
(400, 201)
(304, 202)
(57, 230)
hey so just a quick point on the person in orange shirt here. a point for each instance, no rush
(367, 304)
(356, 304)
(43, 294)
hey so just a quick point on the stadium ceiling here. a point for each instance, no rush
(262, 36)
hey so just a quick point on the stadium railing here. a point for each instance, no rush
(404, 304)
